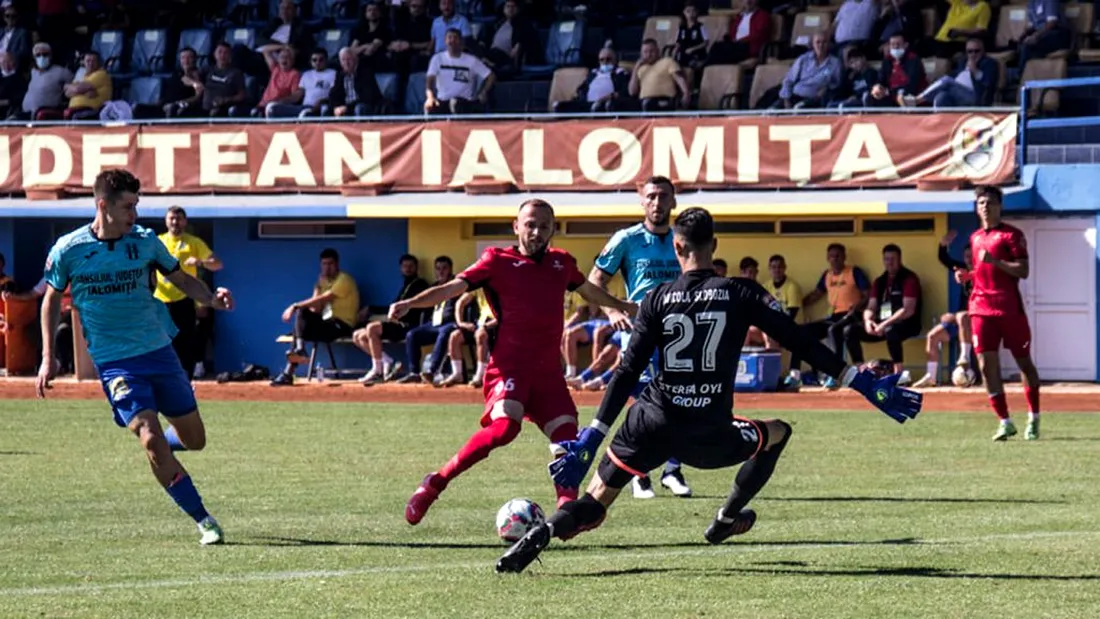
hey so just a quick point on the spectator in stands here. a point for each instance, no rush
(691, 39)
(1046, 31)
(55, 24)
(46, 91)
(369, 339)
(606, 89)
(224, 85)
(185, 87)
(326, 316)
(893, 311)
(809, 82)
(749, 268)
(448, 20)
(902, 73)
(900, 17)
(476, 327)
(14, 38)
(89, 89)
(371, 37)
(857, 81)
(784, 290)
(450, 87)
(354, 89)
(13, 86)
(437, 331)
(655, 80)
(854, 23)
(412, 45)
(286, 29)
(966, 19)
(313, 89)
(507, 41)
(750, 31)
(973, 84)
(721, 267)
(283, 86)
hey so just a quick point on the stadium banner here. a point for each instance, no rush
(738, 152)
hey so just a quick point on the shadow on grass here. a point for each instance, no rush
(895, 499)
(904, 572)
(19, 453)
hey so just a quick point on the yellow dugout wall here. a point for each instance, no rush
(805, 255)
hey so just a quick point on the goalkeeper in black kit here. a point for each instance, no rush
(698, 322)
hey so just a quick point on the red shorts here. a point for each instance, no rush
(990, 331)
(543, 394)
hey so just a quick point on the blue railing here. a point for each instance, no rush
(1044, 86)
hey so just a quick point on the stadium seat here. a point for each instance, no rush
(563, 48)
(662, 28)
(201, 40)
(149, 51)
(1042, 100)
(1081, 18)
(806, 25)
(414, 94)
(564, 85)
(717, 26)
(928, 17)
(775, 43)
(109, 45)
(828, 9)
(1011, 26)
(333, 40)
(387, 85)
(765, 77)
(935, 68)
(146, 91)
(720, 88)
(241, 36)
(243, 11)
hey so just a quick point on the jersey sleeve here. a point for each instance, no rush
(911, 288)
(202, 250)
(1017, 245)
(341, 288)
(479, 273)
(164, 261)
(643, 341)
(794, 296)
(764, 312)
(820, 287)
(576, 278)
(862, 281)
(610, 260)
(57, 270)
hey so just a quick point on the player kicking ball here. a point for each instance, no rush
(698, 322)
(524, 285)
(111, 266)
(997, 310)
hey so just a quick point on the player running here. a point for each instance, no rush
(997, 309)
(524, 285)
(111, 265)
(644, 254)
(698, 322)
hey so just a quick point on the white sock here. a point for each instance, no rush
(1032, 416)
(796, 374)
(1006, 421)
(377, 366)
(456, 367)
(570, 370)
(934, 369)
(479, 372)
(964, 351)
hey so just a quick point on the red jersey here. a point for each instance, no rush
(995, 292)
(525, 294)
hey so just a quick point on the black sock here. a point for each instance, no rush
(752, 477)
(576, 516)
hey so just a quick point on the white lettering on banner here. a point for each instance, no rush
(708, 147)
(365, 163)
(534, 162)
(213, 157)
(864, 137)
(748, 154)
(96, 160)
(630, 161)
(800, 139)
(431, 157)
(33, 147)
(285, 146)
(164, 146)
(481, 143)
(5, 157)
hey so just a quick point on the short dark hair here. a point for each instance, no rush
(837, 246)
(445, 260)
(856, 52)
(537, 203)
(718, 262)
(319, 51)
(405, 257)
(891, 247)
(695, 226)
(188, 48)
(748, 262)
(661, 180)
(454, 30)
(649, 42)
(224, 44)
(111, 184)
(777, 258)
(989, 191)
(177, 210)
(329, 253)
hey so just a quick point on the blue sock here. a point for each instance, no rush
(672, 466)
(606, 376)
(184, 494)
(173, 439)
(586, 375)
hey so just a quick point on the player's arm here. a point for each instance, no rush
(607, 264)
(50, 319)
(1019, 268)
(598, 295)
(460, 311)
(430, 297)
(871, 310)
(816, 294)
(197, 290)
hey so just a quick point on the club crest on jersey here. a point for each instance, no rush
(118, 388)
(558, 265)
(773, 303)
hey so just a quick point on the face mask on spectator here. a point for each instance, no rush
(607, 67)
(898, 54)
(42, 61)
(7, 73)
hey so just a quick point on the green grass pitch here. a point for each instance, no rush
(864, 518)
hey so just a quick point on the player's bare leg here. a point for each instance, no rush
(1030, 376)
(990, 364)
(608, 357)
(481, 343)
(933, 343)
(186, 433)
(733, 518)
(503, 428)
(558, 430)
(171, 474)
(572, 340)
(369, 340)
(454, 351)
(966, 337)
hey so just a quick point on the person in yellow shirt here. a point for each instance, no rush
(89, 91)
(965, 19)
(326, 316)
(192, 253)
(785, 290)
(655, 80)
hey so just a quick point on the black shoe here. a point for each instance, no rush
(526, 550)
(297, 356)
(409, 379)
(282, 380)
(719, 532)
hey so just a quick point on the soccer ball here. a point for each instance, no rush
(963, 376)
(516, 517)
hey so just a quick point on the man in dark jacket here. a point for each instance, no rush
(369, 339)
(857, 81)
(411, 48)
(902, 74)
(435, 330)
(893, 311)
(510, 42)
(183, 91)
(13, 86)
(606, 88)
(355, 91)
(973, 84)
(287, 29)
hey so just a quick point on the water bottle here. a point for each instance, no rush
(319, 373)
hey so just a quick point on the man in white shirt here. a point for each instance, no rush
(456, 79)
(46, 92)
(313, 89)
(854, 22)
(447, 21)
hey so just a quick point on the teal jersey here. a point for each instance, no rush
(646, 260)
(112, 284)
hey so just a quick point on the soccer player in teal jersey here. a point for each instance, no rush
(644, 254)
(110, 265)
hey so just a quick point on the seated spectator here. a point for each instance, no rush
(507, 41)
(46, 91)
(654, 80)
(283, 86)
(313, 90)
(63, 337)
(810, 80)
(899, 17)
(13, 86)
(606, 89)
(857, 81)
(582, 333)
(437, 331)
(750, 31)
(354, 89)
(749, 269)
(89, 89)
(784, 290)
(371, 37)
(185, 88)
(369, 339)
(854, 23)
(224, 85)
(691, 39)
(1046, 32)
(902, 73)
(412, 46)
(605, 360)
(15, 39)
(721, 267)
(7, 284)
(326, 316)
(450, 87)
(966, 19)
(448, 20)
(476, 328)
(973, 84)
(893, 311)
(287, 29)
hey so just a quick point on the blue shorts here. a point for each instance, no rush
(619, 339)
(154, 382)
(590, 326)
(951, 328)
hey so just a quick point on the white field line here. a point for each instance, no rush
(299, 575)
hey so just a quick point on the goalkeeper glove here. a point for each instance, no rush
(575, 457)
(898, 403)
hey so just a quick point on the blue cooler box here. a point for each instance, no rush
(758, 371)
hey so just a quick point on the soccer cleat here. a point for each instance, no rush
(370, 378)
(643, 488)
(1005, 431)
(410, 379)
(282, 380)
(596, 384)
(720, 530)
(297, 356)
(211, 532)
(792, 384)
(575, 383)
(905, 379)
(926, 381)
(525, 551)
(831, 384)
(421, 500)
(674, 481)
(477, 382)
(1031, 432)
(451, 381)
(391, 370)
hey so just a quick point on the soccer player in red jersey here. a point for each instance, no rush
(997, 310)
(524, 285)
